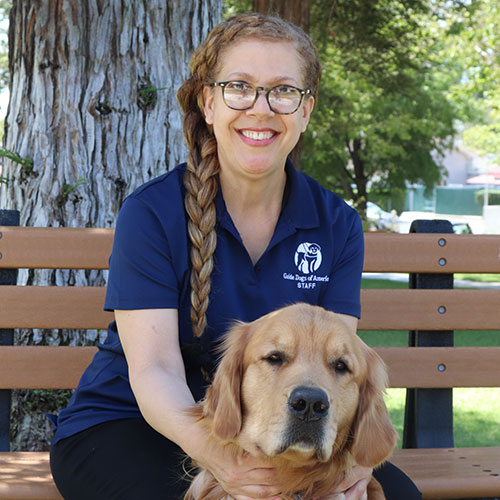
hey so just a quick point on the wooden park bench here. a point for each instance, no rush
(430, 367)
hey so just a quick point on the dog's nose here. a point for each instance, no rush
(308, 403)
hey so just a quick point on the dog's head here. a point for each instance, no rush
(298, 383)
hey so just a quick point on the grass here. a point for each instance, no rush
(482, 278)
(475, 410)
(479, 278)
(476, 418)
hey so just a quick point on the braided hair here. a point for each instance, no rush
(200, 179)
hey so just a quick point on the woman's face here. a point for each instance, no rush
(254, 143)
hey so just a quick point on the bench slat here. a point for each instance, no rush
(51, 367)
(55, 248)
(43, 367)
(53, 307)
(405, 309)
(442, 367)
(89, 248)
(452, 473)
(82, 307)
(463, 253)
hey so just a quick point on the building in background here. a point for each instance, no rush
(469, 193)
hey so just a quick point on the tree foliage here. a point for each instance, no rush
(383, 115)
(5, 6)
(474, 44)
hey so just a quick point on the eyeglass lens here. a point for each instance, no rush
(281, 99)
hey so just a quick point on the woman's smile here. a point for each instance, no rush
(255, 137)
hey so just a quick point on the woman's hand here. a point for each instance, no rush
(354, 486)
(243, 477)
(358, 491)
(356, 483)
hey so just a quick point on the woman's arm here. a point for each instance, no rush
(156, 370)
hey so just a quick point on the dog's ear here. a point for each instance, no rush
(374, 436)
(222, 403)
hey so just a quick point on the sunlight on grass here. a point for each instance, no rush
(395, 400)
(476, 415)
(483, 278)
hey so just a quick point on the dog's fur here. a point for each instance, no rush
(251, 404)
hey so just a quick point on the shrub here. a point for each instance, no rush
(493, 197)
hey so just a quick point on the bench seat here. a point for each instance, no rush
(472, 471)
(452, 473)
(25, 475)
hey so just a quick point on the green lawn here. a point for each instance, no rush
(483, 278)
(476, 415)
(476, 411)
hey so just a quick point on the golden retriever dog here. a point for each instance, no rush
(299, 388)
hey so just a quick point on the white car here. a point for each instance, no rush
(380, 219)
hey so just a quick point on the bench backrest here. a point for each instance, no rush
(79, 307)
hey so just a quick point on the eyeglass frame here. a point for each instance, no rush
(258, 90)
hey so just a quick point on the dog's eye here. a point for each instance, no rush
(275, 358)
(340, 366)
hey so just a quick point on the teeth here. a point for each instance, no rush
(257, 136)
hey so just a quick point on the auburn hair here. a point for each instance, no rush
(201, 177)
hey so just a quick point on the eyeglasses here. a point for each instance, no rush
(241, 95)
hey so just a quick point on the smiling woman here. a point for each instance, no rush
(232, 235)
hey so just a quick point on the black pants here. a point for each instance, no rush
(128, 460)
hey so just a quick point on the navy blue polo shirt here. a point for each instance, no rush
(315, 256)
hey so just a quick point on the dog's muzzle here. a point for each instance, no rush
(308, 409)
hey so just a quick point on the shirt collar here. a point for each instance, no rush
(299, 209)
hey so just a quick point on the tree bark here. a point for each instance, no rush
(93, 110)
(298, 12)
(355, 148)
(295, 11)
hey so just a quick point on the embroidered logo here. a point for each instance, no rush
(308, 257)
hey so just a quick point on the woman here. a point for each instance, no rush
(234, 234)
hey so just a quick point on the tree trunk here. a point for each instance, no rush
(295, 11)
(360, 197)
(93, 113)
(299, 13)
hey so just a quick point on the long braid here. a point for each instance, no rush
(201, 188)
(203, 166)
